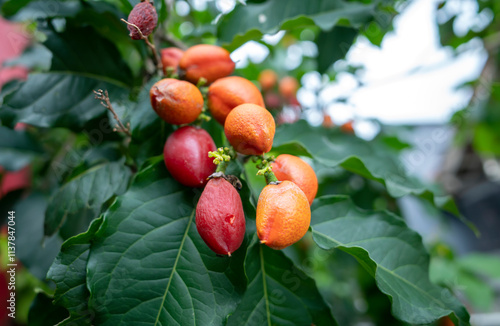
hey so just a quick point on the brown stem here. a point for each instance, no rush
(157, 58)
(104, 97)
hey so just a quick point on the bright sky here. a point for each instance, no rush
(394, 94)
(411, 79)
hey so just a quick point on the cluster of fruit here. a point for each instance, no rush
(283, 208)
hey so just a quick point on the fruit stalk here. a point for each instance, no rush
(266, 169)
(157, 58)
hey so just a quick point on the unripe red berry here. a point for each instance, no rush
(186, 156)
(144, 16)
(220, 219)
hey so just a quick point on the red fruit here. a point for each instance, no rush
(219, 217)
(170, 58)
(143, 16)
(15, 180)
(186, 156)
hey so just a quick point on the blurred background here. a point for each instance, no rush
(430, 86)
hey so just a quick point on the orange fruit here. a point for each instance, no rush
(267, 79)
(170, 58)
(227, 93)
(288, 86)
(283, 215)
(208, 61)
(347, 128)
(327, 121)
(250, 128)
(176, 101)
(294, 169)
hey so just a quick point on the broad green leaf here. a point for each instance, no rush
(391, 252)
(148, 264)
(17, 149)
(63, 97)
(278, 293)
(69, 274)
(251, 21)
(78, 202)
(370, 159)
(334, 45)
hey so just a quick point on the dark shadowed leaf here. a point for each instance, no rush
(43, 312)
(63, 97)
(17, 149)
(391, 252)
(34, 251)
(333, 45)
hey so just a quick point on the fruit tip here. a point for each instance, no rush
(229, 254)
(263, 241)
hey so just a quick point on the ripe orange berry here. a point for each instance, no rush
(250, 129)
(288, 86)
(294, 169)
(227, 93)
(347, 127)
(267, 79)
(176, 101)
(208, 61)
(170, 58)
(283, 215)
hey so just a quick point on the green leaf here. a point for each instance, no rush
(484, 264)
(391, 252)
(278, 293)
(56, 100)
(333, 45)
(17, 149)
(79, 201)
(149, 265)
(251, 21)
(370, 159)
(69, 274)
(63, 97)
